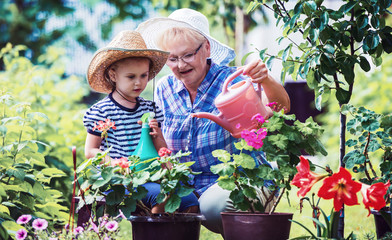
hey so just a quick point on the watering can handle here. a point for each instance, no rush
(232, 77)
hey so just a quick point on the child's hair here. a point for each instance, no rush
(114, 66)
(172, 34)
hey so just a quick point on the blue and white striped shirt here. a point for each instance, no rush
(125, 138)
(198, 135)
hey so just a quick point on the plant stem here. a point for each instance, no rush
(277, 201)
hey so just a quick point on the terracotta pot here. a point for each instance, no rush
(252, 226)
(180, 226)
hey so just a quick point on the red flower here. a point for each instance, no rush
(373, 196)
(104, 127)
(164, 152)
(305, 179)
(341, 188)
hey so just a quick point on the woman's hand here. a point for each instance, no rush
(256, 70)
(273, 91)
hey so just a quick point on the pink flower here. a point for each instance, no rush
(23, 219)
(111, 226)
(258, 118)
(21, 234)
(254, 138)
(40, 224)
(78, 230)
(238, 125)
(94, 227)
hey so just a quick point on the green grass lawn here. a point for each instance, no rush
(356, 219)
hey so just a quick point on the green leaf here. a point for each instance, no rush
(347, 7)
(286, 52)
(343, 96)
(172, 204)
(243, 59)
(222, 155)
(269, 62)
(244, 160)
(362, 21)
(116, 196)
(223, 169)
(226, 183)
(262, 54)
(53, 172)
(141, 177)
(363, 62)
(184, 191)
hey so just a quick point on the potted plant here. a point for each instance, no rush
(327, 44)
(342, 189)
(371, 154)
(119, 184)
(283, 139)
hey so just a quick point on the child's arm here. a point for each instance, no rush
(156, 134)
(92, 145)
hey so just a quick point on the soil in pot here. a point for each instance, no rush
(180, 226)
(252, 226)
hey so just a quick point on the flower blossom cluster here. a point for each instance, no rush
(38, 229)
(122, 162)
(340, 187)
(255, 137)
(163, 152)
(104, 126)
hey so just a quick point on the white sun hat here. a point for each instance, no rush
(188, 18)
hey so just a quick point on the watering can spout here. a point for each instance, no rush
(219, 119)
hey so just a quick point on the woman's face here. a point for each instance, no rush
(131, 76)
(187, 60)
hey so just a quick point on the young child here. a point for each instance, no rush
(123, 69)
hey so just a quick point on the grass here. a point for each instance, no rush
(356, 219)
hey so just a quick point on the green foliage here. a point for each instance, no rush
(334, 42)
(123, 187)
(371, 139)
(54, 111)
(24, 176)
(283, 144)
(326, 230)
(25, 22)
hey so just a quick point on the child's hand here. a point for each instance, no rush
(156, 131)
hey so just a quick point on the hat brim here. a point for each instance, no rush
(150, 29)
(104, 57)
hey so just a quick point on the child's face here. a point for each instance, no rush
(131, 76)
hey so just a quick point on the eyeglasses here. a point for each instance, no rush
(187, 58)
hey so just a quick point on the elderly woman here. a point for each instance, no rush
(198, 65)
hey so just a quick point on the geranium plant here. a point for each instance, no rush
(342, 189)
(282, 138)
(120, 181)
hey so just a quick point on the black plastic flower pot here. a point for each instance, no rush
(252, 226)
(180, 226)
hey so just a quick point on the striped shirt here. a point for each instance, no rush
(125, 138)
(198, 135)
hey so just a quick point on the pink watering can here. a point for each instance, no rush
(237, 105)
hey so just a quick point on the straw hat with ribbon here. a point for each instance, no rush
(125, 44)
(188, 18)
